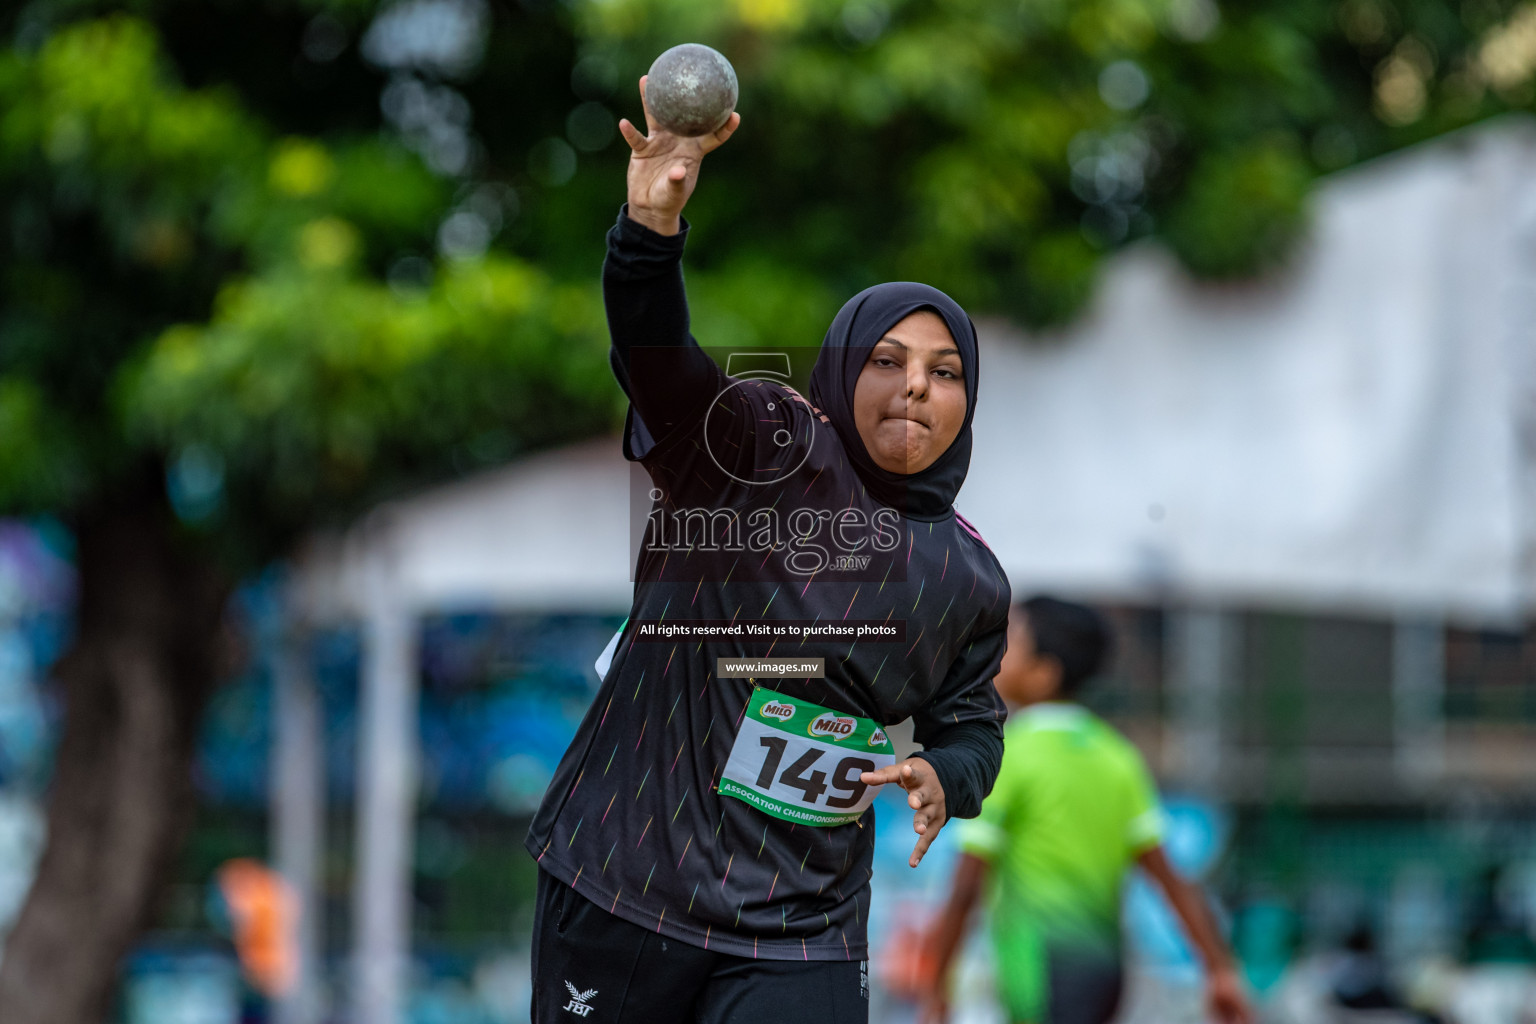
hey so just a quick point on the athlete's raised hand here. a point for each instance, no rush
(924, 795)
(663, 168)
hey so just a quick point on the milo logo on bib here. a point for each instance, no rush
(832, 727)
(778, 711)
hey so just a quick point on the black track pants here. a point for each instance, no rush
(591, 966)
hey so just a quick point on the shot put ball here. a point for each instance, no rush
(691, 90)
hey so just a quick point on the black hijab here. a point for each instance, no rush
(863, 321)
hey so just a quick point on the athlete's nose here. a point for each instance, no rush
(917, 381)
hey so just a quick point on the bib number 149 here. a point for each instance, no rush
(812, 784)
(801, 762)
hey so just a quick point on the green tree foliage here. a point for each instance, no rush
(189, 285)
(998, 148)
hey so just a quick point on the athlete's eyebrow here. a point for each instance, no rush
(888, 340)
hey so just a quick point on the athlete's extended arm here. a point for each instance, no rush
(1224, 996)
(643, 291)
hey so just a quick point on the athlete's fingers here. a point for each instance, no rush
(916, 776)
(926, 823)
(924, 796)
(928, 818)
(881, 776)
(926, 792)
(631, 135)
(710, 143)
(923, 788)
(650, 122)
(674, 187)
(923, 842)
(925, 806)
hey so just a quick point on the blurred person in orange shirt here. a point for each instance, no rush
(264, 912)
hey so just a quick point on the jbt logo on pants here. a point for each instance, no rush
(580, 1003)
(778, 710)
(832, 727)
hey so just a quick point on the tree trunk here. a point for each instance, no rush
(135, 681)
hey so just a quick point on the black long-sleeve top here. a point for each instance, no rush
(634, 819)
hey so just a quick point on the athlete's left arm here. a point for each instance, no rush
(961, 728)
(961, 731)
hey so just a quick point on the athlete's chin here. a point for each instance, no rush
(901, 446)
(903, 458)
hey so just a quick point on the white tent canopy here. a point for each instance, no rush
(551, 531)
(1357, 432)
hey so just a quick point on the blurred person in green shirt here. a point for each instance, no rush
(1073, 809)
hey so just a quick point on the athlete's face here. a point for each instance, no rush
(909, 401)
(1026, 676)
